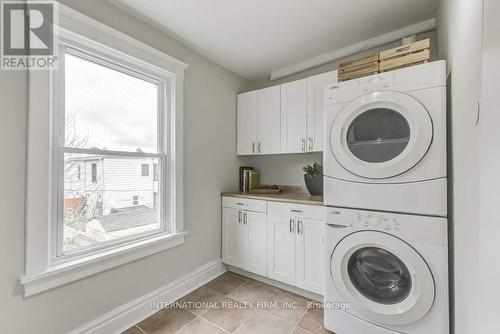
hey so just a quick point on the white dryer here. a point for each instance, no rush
(386, 273)
(385, 141)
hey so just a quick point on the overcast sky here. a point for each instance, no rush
(112, 110)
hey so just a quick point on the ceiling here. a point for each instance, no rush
(254, 37)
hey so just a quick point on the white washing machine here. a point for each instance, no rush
(387, 273)
(385, 141)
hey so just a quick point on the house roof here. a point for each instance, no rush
(128, 218)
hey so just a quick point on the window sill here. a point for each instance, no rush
(70, 271)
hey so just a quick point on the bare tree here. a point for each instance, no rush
(86, 204)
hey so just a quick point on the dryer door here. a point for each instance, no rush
(386, 280)
(381, 135)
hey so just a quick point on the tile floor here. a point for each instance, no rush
(236, 304)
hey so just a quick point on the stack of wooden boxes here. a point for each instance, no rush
(393, 59)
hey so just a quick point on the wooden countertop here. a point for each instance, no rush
(288, 197)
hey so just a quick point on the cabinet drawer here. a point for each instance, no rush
(244, 204)
(297, 210)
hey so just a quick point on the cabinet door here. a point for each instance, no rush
(256, 253)
(294, 116)
(315, 131)
(234, 239)
(247, 123)
(281, 248)
(268, 106)
(309, 253)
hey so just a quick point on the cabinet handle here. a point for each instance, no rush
(478, 117)
(310, 143)
(245, 218)
(258, 147)
(338, 226)
(239, 203)
(239, 216)
(299, 227)
(303, 144)
(292, 225)
(296, 211)
(253, 147)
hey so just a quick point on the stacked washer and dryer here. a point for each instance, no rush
(385, 187)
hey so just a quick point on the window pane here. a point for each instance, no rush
(120, 202)
(108, 109)
(145, 170)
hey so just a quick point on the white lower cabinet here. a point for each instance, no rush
(244, 238)
(281, 241)
(309, 252)
(295, 245)
(255, 258)
(234, 237)
(281, 248)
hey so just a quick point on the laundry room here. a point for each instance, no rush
(231, 166)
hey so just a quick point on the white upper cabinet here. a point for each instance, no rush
(268, 126)
(247, 123)
(315, 88)
(287, 118)
(294, 116)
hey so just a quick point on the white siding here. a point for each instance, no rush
(123, 180)
(118, 181)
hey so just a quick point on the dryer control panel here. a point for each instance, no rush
(376, 221)
(382, 81)
(412, 78)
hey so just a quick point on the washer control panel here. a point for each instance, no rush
(376, 221)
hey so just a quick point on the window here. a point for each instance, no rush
(94, 173)
(145, 170)
(111, 116)
(111, 110)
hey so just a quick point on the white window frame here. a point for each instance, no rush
(103, 57)
(45, 266)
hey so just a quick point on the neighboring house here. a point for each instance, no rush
(106, 197)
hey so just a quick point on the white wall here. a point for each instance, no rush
(282, 169)
(210, 166)
(489, 237)
(459, 41)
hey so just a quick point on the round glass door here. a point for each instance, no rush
(378, 135)
(382, 277)
(381, 135)
(379, 275)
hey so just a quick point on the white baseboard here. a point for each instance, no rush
(127, 315)
(284, 286)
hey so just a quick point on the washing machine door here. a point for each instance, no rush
(381, 135)
(384, 278)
